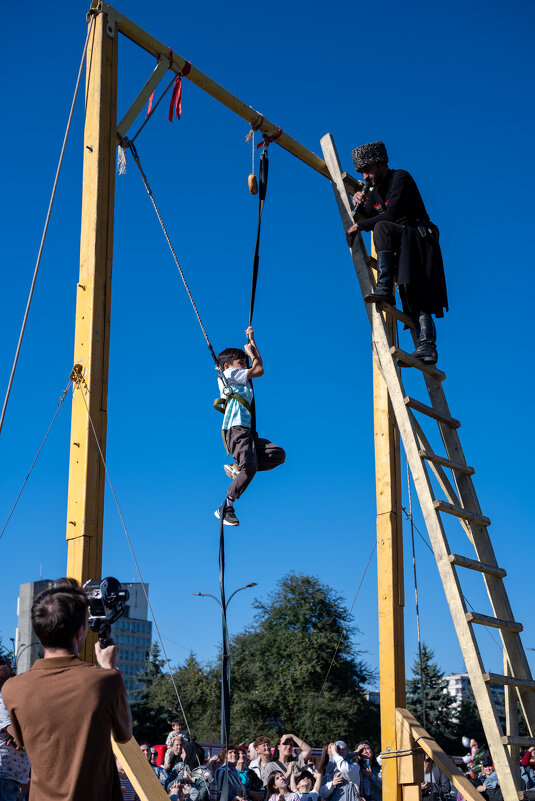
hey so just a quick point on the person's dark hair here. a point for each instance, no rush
(373, 760)
(176, 722)
(324, 759)
(230, 355)
(305, 774)
(271, 782)
(58, 613)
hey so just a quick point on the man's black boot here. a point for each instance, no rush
(384, 291)
(426, 349)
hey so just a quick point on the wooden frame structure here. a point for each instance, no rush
(402, 737)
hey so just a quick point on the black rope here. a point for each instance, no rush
(225, 665)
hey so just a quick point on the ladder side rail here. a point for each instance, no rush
(464, 629)
(485, 553)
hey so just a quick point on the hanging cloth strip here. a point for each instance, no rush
(176, 98)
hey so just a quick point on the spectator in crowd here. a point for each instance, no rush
(127, 789)
(490, 788)
(175, 756)
(179, 789)
(176, 731)
(235, 786)
(277, 788)
(201, 778)
(527, 769)
(251, 783)
(14, 765)
(161, 773)
(370, 772)
(435, 786)
(252, 753)
(306, 785)
(262, 746)
(283, 758)
(341, 778)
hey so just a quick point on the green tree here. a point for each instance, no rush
(439, 704)
(298, 670)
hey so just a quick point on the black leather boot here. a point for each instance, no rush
(426, 349)
(384, 291)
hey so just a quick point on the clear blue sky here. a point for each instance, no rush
(446, 86)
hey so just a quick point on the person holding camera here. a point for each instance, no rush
(370, 771)
(63, 711)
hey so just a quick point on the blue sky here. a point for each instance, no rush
(446, 86)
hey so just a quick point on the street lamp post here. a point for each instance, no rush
(225, 662)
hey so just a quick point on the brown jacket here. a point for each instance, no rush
(63, 712)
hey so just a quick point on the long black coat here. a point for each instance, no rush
(420, 269)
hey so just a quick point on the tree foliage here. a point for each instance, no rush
(439, 704)
(295, 669)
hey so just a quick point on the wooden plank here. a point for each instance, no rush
(418, 406)
(473, 564)
(389, 573)
(85, 505)
(406, 358)
(493, 622)
(442, 460)
(142, 98)
(438, 755)
(410, 765)
(391, 375)
(139, 771)
(499, 678)
(525, 742)
(458, 511)
(392, 311)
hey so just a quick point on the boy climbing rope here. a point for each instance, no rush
(249, 451)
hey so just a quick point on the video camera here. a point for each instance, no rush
(107, 601)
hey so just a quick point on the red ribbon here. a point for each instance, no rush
(176, 98)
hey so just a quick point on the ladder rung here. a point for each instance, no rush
(406, 358)
(399, 315)
(495, 623)
(457, 466)
(458, 511)
(474, 564)
(511, 739)
(499, 678)
(430, 412)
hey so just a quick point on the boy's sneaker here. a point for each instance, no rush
(231, 470)
(229, 516)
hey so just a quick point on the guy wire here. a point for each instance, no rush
(164, 652)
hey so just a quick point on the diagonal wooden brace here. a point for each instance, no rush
(142, 98)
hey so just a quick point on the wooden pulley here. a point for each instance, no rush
(253, 185)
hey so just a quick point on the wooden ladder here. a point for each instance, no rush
(460, 500)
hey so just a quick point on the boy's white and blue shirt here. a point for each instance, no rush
(236, 414)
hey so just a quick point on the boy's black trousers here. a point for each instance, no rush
(251, 453)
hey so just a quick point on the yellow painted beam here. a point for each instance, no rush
(389, 574)
(139, 771)
(85, 506)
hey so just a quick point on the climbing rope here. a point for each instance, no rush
(60, 402)
(422, 684)
(135, 155)
(81, 385)
(45, 229)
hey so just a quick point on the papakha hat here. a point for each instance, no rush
(366, 155)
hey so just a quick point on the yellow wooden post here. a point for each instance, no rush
(85, 507)
(390, 573)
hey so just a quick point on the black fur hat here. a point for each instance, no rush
(366, 155)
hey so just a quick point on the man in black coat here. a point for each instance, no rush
(406, 242)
